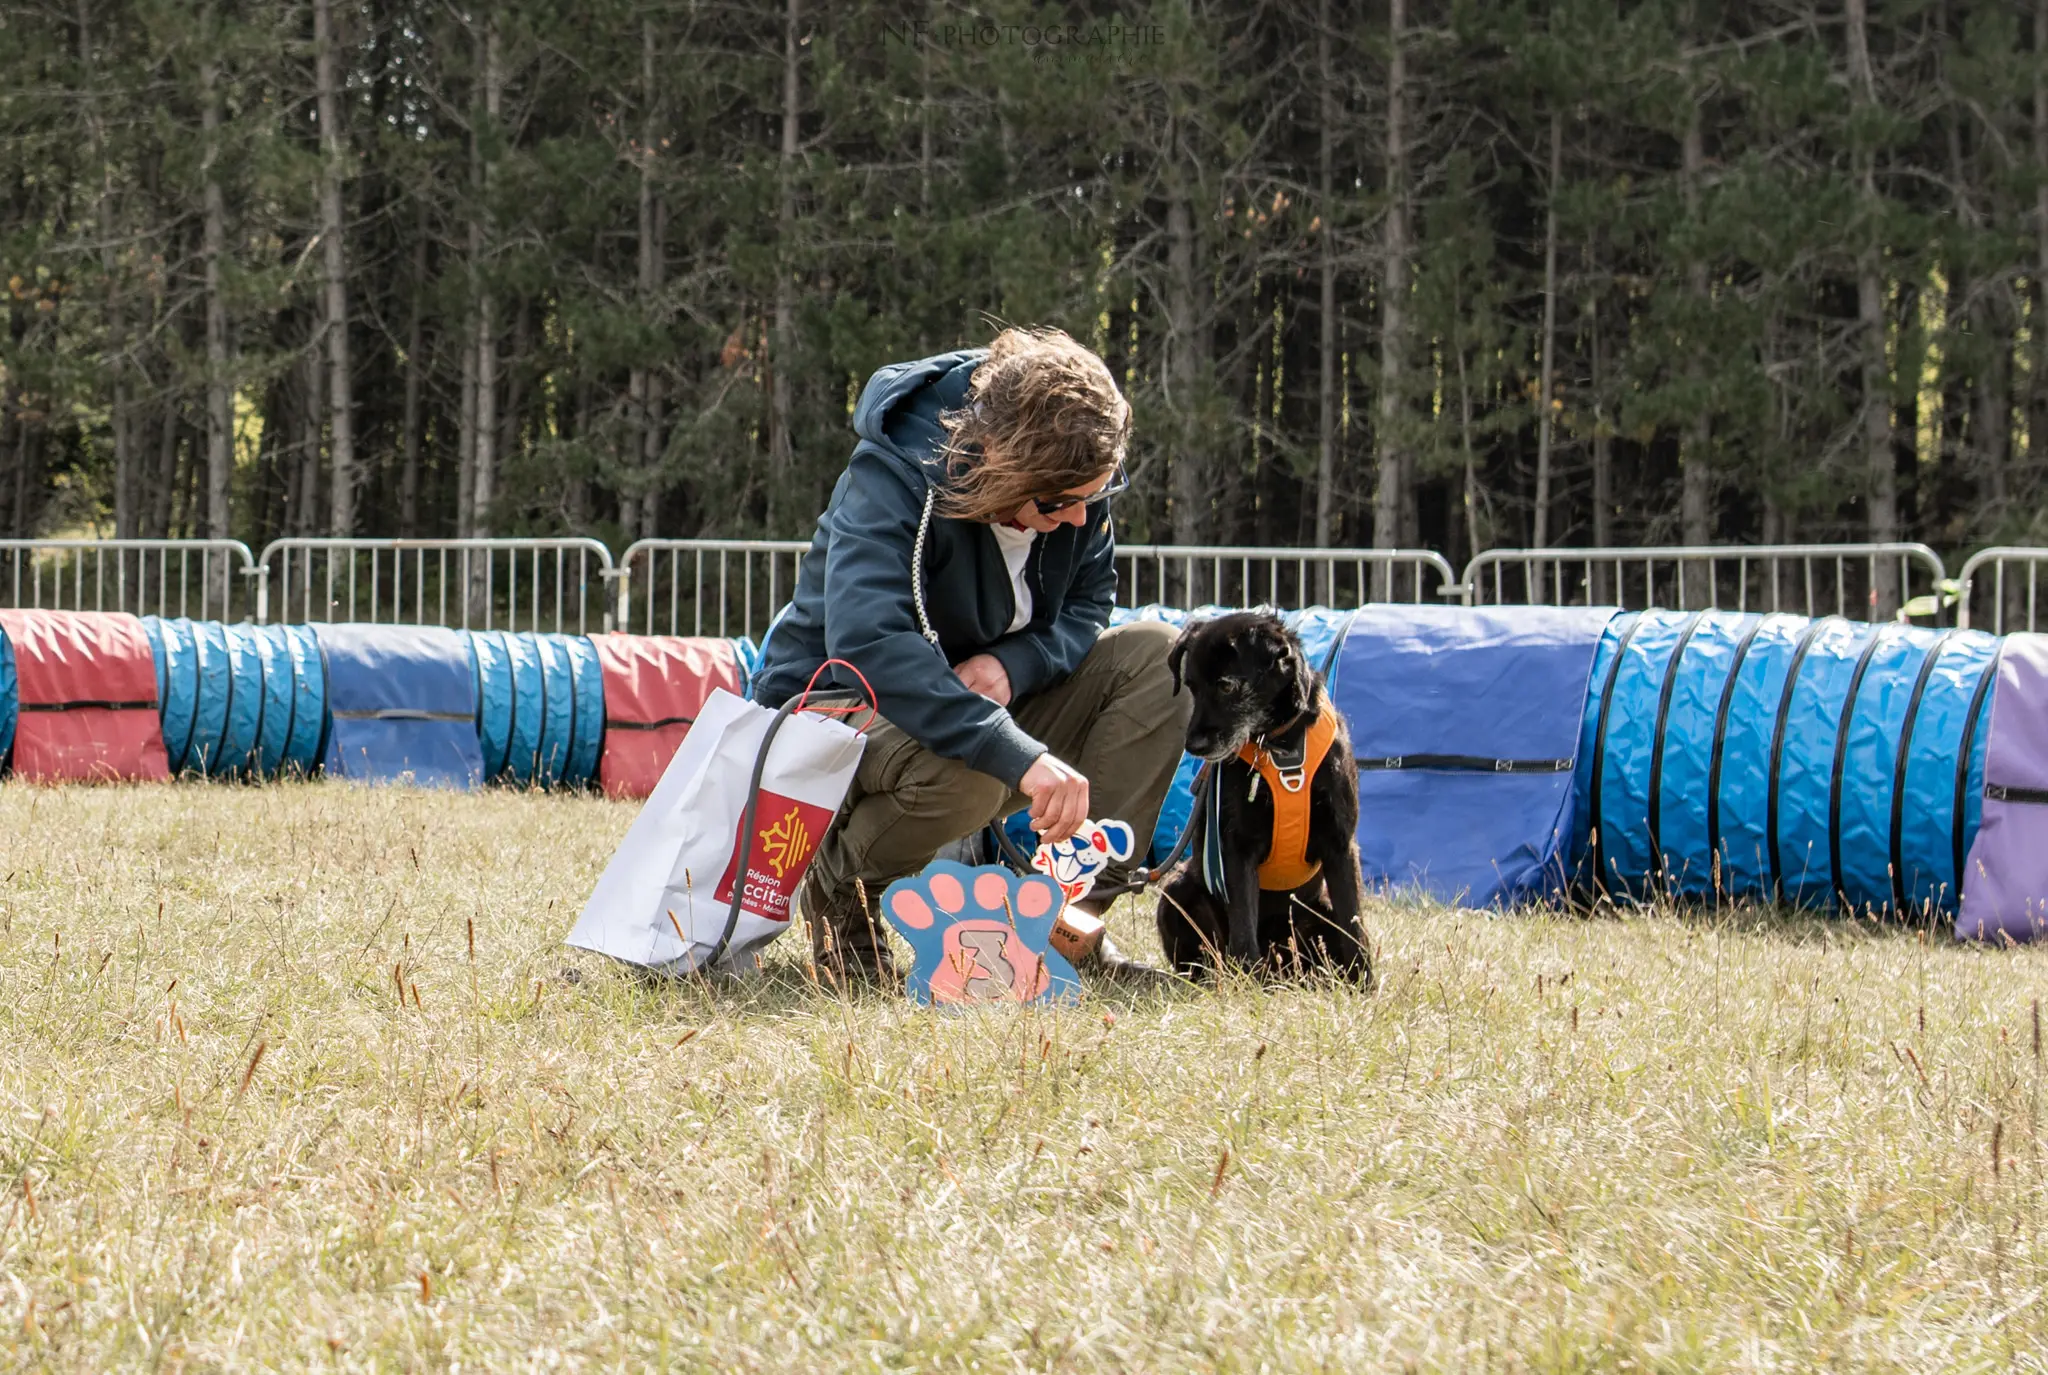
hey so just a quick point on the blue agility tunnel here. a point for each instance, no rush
(1465, 725)
(238, 700)
(10, 699)
(402, 705)
(1805, 761)
(540, 707)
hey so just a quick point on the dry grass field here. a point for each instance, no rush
(293, 1077)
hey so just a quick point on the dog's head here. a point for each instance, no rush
(1248, 677)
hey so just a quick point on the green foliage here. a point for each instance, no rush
(1155, 185)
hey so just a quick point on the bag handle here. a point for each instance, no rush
(803, 699)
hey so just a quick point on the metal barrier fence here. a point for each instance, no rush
(482, 584)
(1999, 589)
(208, 579)
(1862, 581)
(706, 587)
(1190, 575)
(735, 587)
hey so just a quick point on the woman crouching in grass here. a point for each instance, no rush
(966, 567)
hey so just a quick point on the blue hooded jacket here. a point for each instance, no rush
(853, 597)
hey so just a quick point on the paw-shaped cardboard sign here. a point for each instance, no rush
(980, 935)
(1075, 863)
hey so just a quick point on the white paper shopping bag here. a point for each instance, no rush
(666, 898)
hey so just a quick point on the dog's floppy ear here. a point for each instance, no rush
(1180, 652)
(1301, 679)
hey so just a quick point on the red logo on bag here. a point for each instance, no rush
(786, 835)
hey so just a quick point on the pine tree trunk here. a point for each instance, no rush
(578, 496)
(1191, 487)
(465, 444)
(1546, 386)
(1603, 457)
(1327, 404)
(415, 376)
(513, 368)
(1991, 423)
(483, 484)
(1390, 494)
(220, 417)
(2037, 422)
(1882, 510)
(186, 461)
(646, 382)
(12, 425)
(160, 513)
(482, 481)
(6, 465)
(306, 521)
(924, 132)
(116, 327)
(781, 448)
(341, 419)
(1471, 484)
(1696, 494)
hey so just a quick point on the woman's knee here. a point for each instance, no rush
(1136, 652)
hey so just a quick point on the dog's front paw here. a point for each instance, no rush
(979, 935)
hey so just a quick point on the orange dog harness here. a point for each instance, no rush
(1286, 776)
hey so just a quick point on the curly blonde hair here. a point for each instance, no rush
(1043, 415)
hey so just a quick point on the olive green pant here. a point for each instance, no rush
(1116, 718)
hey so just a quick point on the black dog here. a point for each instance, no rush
(1253, 688)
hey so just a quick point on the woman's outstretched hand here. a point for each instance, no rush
(985, 674)
(1059, 798)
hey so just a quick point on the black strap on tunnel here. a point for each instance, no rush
(1898, 834)
(326, 705)
(1842, 728)
(87, 704)
(400, 714)
(198, 681)
(476, 675)
(1720, 739)
(1998, 792)
(511, 721)
(1600, 755)
(227, 716)
(1465, 763)
(261, 641)
(540, 747)
(1958, 850)
(288, 646)
(1655, 814)
(659, 723)
(575, 710)
(1778, 752)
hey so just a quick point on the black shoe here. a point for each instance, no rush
(850, 947)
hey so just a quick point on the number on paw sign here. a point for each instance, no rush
(980, 935)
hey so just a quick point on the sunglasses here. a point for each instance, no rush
(1051, 506)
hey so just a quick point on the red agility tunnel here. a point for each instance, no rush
(87, 681)
(654, 686)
